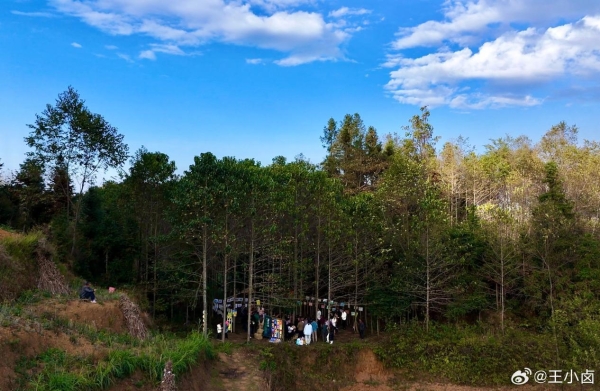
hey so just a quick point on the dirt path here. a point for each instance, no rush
(238, 371)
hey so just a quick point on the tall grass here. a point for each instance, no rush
(60, 371)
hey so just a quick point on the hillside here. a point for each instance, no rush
(50, 340)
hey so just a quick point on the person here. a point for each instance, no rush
(344, 317)
(300, 326)
(324, 332)
(254, 324)
(299, 341)
(308, 330)
(219, 330)
(334, 322)
(87, 293)
(315, 328)
(331, 335)
(361, 328)
(291, 331)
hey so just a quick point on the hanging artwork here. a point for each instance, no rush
(310, 303)
(322, 305)
(276, 330)
(234, 313)
(229, 322)
(353, 313)
(360, 309)
(342, 304)
(324, 300)
(257, 302)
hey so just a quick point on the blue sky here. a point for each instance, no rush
(260, 78)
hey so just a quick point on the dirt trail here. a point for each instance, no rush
(238, 371)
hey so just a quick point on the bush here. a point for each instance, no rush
(472, 355)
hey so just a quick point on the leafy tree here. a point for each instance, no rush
(28, 186)
(193, 219)
(68, 135)
(355, 154)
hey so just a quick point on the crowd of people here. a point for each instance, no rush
(301, 330)
(306, 330)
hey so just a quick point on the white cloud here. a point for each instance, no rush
(255, 61)
(33, 14)
(272, 5)
(76, 45)
(111, 47)
(466, 21)
(301, 35)
(482, 61)
(148, 55)
(161, 48)
(344, 11)
(124, 57)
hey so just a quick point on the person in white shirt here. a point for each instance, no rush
(344, 316)
(307, 332)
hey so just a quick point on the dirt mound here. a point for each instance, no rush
(133, 318)
(50, 279)
(101, 316)
(6, 234)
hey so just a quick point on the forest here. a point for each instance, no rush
(414, 231)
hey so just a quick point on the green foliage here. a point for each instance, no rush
(466, 354)
(57, 370)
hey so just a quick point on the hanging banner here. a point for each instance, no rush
(234, 312)
(324, 300)
(310, 303)
(360, 309)
(257, 302)
(322, 305)
(276, 330)
(353, 313)
(342, 304)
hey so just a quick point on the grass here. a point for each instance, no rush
(476, 356)
(56, 370)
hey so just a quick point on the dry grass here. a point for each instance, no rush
(50, 279)
(133, 318)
